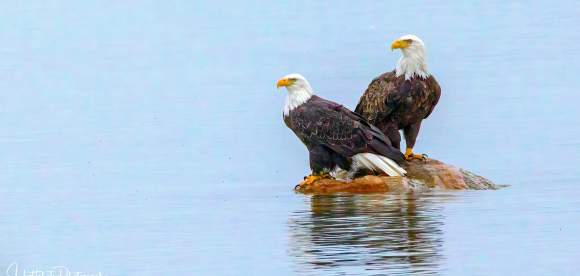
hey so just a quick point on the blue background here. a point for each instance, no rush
(146, 137)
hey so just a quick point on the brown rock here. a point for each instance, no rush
(421, 175)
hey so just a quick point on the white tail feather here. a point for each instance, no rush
(377, 163)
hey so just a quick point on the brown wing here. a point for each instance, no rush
(382, 97)
(389, 96)
(435, 94)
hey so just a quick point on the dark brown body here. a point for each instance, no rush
(392, 103)
(333, 134)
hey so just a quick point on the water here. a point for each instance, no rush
(145, 138)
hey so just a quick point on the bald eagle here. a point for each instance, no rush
(403, 98)
(341, 143)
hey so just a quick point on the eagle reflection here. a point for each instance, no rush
(372, 234)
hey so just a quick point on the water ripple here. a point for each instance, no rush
(368, 234)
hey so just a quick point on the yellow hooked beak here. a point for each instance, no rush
(284, 82)
(400, 44)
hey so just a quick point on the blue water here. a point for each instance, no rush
(146, 138)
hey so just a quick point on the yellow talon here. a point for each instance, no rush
(308, 180)
(311, 179)
(409, 155)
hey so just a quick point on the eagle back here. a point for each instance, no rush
(321, 122)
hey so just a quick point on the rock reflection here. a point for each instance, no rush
(368, 234)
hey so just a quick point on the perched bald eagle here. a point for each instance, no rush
(403, 98)
(341, 143)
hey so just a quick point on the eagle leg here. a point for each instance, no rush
(392, 132)
(411, 133)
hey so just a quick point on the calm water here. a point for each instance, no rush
(146, 138)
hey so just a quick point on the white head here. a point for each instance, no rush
(299, 91)
(414, 59)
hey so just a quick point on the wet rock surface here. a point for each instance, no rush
(421, 176)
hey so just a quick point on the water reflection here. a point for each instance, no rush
(368, 234)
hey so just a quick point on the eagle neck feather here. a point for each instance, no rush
(296, 97)
(412, 63)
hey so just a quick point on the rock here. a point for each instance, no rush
(421, 176)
